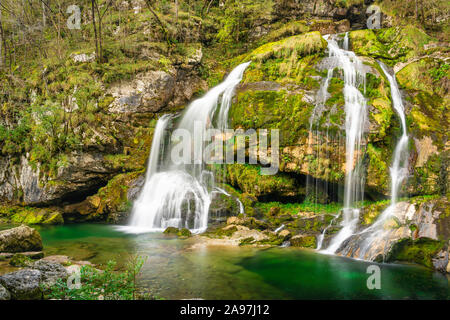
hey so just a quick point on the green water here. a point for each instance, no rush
(175, 270)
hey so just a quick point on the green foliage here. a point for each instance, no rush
(20, 260)
(238, 19)
(102, 284)
(299, 208)
(439, 72)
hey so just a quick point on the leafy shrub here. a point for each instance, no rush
(102, 284)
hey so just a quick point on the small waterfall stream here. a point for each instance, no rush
(355, 119)
(179, 194)
(398, 172)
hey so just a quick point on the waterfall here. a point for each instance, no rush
(355, 119)
(179, 194)
(398, 170)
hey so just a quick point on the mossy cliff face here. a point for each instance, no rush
(279, 90)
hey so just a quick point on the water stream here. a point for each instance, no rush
(398, 172)
(355, 119)
(179, 193)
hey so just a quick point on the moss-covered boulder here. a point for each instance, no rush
(31, 215)
(304, 241)
(184, 233)
(420, 251)
(171, 230)
(20, 239)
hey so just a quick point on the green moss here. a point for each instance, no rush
(228, 232)
(304, 242)
(248, 179)
(377, 171)
(31, 215)
(20, 260)
(300, 45)
(247, 241)
(272, 240)
(184, 233)
(371, 211)
(335, 89)
(420, 251)
(289, 29)
(113, 198)
(297, 208)
(272, 110)
(171, 230)
(366, 43)
(392, 45)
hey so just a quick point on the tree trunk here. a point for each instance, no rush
(149, 5)
(95, 29)
(417, 9)
(1, 37)
(44, 18)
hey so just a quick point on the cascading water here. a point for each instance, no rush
(398, 172)
(355, 119)
(179, 194)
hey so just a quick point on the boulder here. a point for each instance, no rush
(4, 294)
(50, 272)
(184, 233)
(23, 284)
(20, 239)
(285, 234)
(171, 230)
(63, 260)
(304, 241)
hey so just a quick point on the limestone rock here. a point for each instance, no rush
(303, 241)
(4, 294)
(23, 284)
(284, 234)
(50, 271)
(20, 239)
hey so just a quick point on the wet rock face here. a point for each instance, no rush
(323, 9)
(222, 206)
(423, 226)
(20, 239)
(83, 172)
